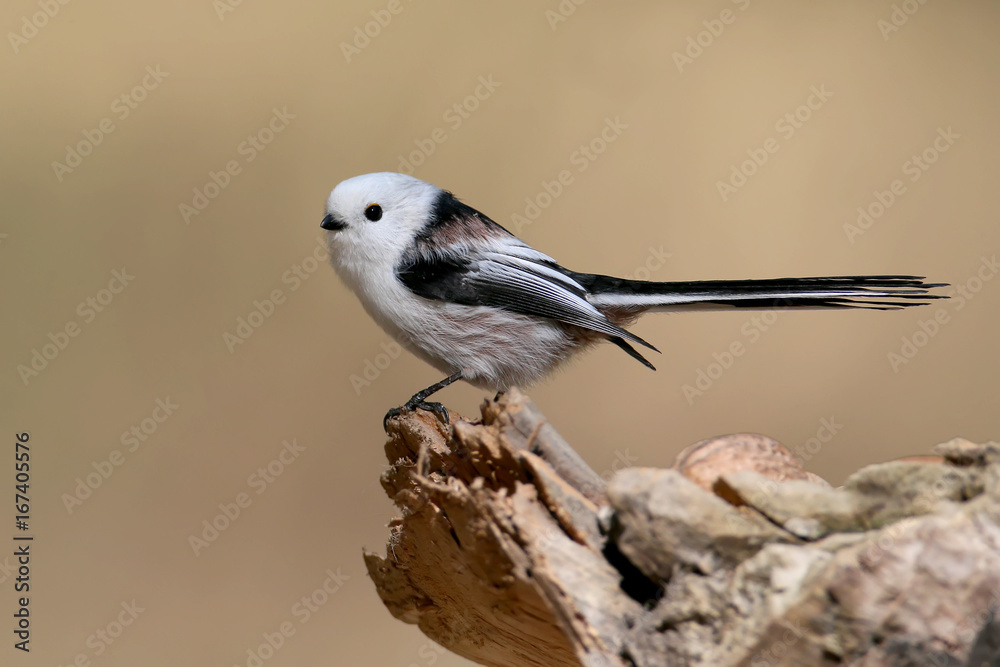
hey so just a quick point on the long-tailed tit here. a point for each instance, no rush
(476, 302)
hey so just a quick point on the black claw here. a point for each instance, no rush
(436, 408)
(417, 401)
(410, 406)
(394, 412)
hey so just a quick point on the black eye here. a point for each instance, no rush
(374, 212)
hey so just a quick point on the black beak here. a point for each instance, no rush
(332, 224)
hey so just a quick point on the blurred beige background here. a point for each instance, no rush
(884, 84)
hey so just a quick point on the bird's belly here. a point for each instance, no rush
(494, 349)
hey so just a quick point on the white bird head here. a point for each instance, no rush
(375, 217)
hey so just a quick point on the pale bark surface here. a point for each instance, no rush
(511, 551)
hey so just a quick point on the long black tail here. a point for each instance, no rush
(875, 292)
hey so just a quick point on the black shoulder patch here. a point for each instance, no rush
(451, 221)
(448, 207)
(438, 278)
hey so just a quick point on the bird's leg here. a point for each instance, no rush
(417, 401)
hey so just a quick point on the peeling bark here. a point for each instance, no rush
(511, 551)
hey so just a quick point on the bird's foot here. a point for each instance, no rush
(411, 405)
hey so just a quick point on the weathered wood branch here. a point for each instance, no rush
(511, 551)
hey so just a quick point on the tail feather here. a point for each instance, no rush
(888, 292)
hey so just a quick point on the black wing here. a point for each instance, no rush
(511, 276)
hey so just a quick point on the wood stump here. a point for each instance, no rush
(511, 551)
